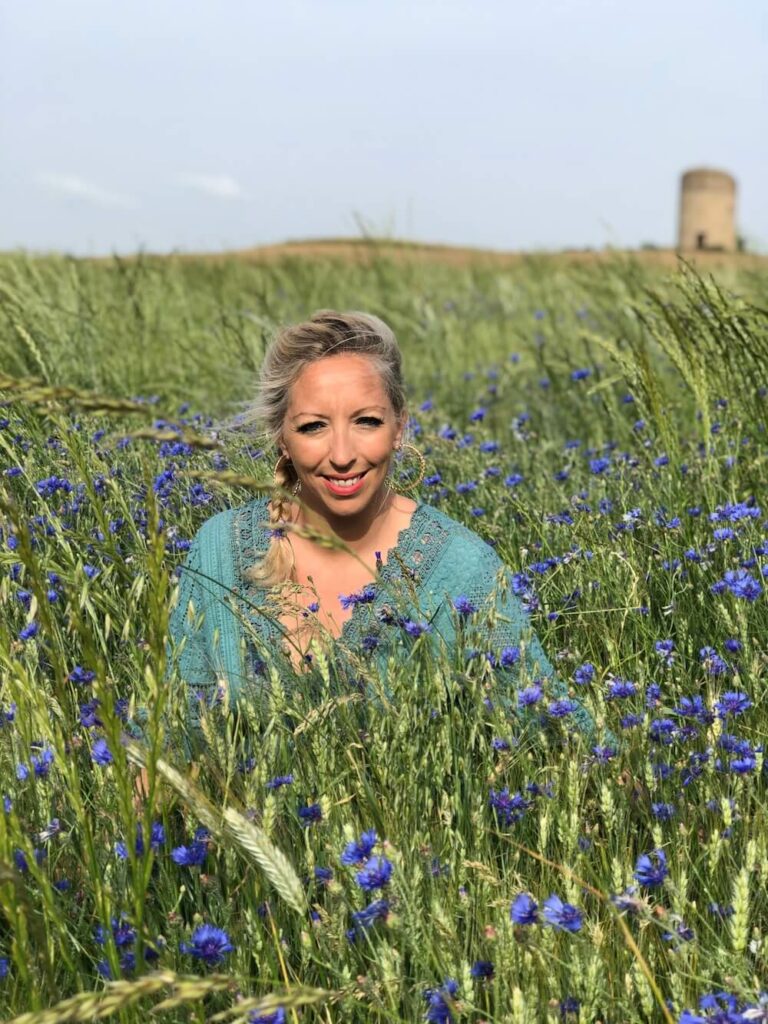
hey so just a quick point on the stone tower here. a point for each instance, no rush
(707, 211)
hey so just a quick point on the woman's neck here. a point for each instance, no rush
(360, 532)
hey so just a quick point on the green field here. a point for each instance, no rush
(604, 425)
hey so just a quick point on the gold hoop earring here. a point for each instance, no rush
(413, 484)
(285, 458)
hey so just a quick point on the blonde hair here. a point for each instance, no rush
(326, 333)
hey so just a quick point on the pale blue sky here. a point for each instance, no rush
(180, 124)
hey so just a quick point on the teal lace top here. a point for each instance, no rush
(232, 637)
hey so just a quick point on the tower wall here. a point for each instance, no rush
(707, 211)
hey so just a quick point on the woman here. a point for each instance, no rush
(336, 562)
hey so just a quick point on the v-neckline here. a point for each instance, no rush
(349, 629)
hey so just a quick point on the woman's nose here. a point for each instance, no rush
(342, 452)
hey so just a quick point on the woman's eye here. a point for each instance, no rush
(372, 421)
(309, 428)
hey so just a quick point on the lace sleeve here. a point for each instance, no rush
(188, 629)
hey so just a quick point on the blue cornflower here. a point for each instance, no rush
(190, 856)
(663, 812)
(651, 869)
(603, 754)
(81, 676)
(323, 875)
(439, 1001)
(562, 707)
(478, 415)
(375, 875)
(581, 374)
(42, 764)
(482, 969)
(713, 664)
(584, 674)
(513, 480)
(29, 631)
(500, 745)
(652, 695)
(278, 1017)
(101, 754)
(359, 851)
(208, 943)
(463, 605)
(524, 909)
(465, 488)
(598, 466)
(364, 596)
(666, 649)
(509, 808)
(310, 814)
(621, 689)
(723, 533)
(376, 911)
(732, 703)
(693, 707)
(563, 916)
(662, 730)
(530, 695)
(509, 656)
(742, 584)
(416, 629)
(278, 781)
(4, 967)
(569, 1005)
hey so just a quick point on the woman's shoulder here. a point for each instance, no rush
(224, 530)
(464, 549)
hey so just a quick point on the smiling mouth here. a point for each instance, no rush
(345, 481)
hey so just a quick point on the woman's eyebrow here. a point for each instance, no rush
(323, 416)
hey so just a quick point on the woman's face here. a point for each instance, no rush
(339, 431)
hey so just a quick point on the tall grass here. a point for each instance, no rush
(612, 422)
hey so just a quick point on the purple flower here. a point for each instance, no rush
(81, 676)
(563, 916)
(364, 596)
(621, 689)
(190, 856)
(509, 808)
(358, 852)
(208, 943)
(375, 875)
(376, 911)
(463, 605)
(278, 781)
(101, 754)
(482, 969)
(415, 629)
(310, 814)
(29, 631)
(524, 910)
(562, 708)
(278, 1017)
(530, 695)
(732, 703)
(651, 869)
(742, 584)
(584, 674)
(440, 1001)
(662, 811)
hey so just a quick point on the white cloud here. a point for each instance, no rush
(220, 186)
(72, 185)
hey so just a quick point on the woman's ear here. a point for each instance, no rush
(403, 423)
